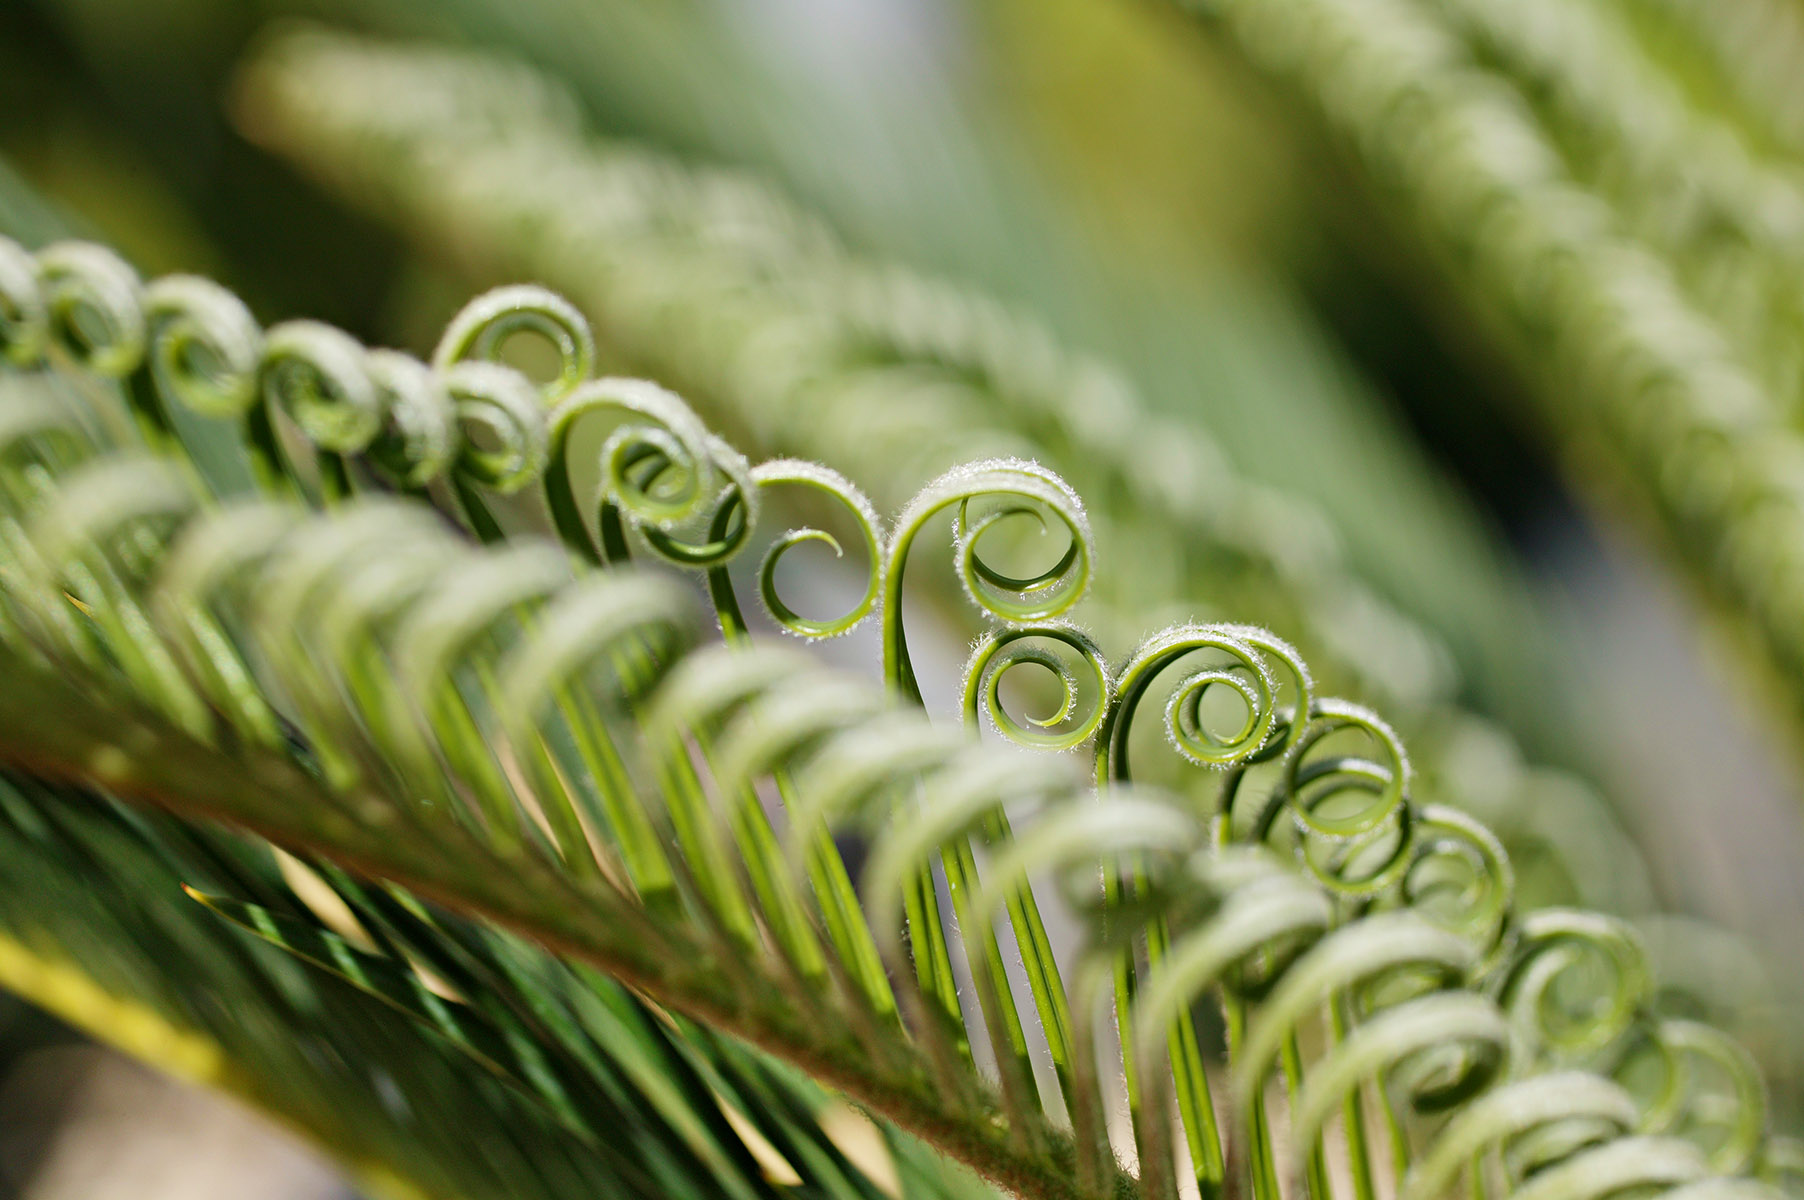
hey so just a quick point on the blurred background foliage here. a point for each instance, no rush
(1350, 455)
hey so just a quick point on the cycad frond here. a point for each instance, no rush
(529, 732)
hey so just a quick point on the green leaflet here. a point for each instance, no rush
(405, 1115)
(498, 723)
(651, 1106)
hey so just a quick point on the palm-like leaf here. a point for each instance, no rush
(528, 733)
